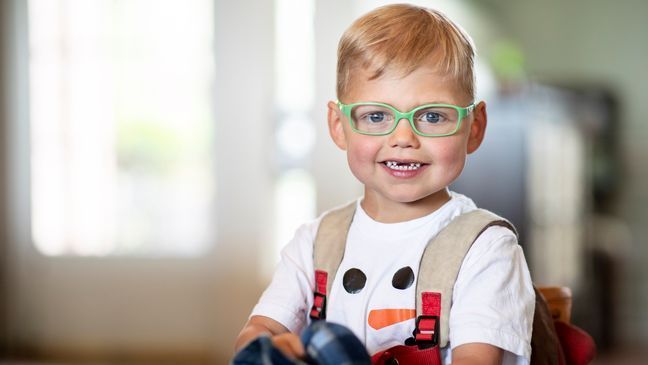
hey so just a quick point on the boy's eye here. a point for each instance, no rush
(371, 115)
(376, 117)
(432, 117)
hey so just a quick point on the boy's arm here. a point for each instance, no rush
(287, 297)
(284, 340)
(257, 326)
(477, 354)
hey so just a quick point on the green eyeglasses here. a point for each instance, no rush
(429, 120)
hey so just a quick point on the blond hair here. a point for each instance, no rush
(402, 38)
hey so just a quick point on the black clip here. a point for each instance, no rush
(318, 311)
(426, 332)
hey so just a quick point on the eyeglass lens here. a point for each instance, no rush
(376, 119)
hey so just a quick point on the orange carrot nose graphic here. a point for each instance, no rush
(381, 318)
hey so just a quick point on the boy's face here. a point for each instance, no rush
(441, 159)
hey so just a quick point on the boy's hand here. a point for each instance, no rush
(286, 342)
(290, 345)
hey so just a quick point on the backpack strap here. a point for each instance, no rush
(438, 270)
(328, 250)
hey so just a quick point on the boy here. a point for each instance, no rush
(393, 60)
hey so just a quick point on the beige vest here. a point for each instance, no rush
(440, 262)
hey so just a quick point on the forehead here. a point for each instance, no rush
(426, 84)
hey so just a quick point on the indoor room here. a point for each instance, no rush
(156, 156)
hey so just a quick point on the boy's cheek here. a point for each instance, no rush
(361, 158)
(355, 159)
(362, 155)
(455, 157)
(451, 158)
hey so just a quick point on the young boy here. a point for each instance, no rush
(393, 60)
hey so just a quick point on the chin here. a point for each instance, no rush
(423, 197)
(407, 198)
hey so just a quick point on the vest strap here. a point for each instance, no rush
(442, 259)
(328, 250)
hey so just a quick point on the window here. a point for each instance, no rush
(295, 133)
(121, 127)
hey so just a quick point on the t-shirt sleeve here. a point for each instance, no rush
(289, 296)
(493, 297)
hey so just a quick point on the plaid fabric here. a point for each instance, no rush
(325, 343)
(333, 344)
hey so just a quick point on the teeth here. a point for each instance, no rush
(395, 166)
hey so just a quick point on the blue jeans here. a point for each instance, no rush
(325, 344)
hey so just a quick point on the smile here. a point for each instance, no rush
(402, 166)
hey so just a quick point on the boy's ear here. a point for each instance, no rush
(336, 129)
(477, 127)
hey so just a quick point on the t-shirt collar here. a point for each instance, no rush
(371, 227)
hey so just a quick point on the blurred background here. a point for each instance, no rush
(156, 155)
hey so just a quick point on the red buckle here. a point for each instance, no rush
(318, 310)
(426, 332)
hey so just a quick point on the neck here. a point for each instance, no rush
(389, 211)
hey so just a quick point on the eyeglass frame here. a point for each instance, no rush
(398, 115)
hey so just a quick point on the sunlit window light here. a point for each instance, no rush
(295, 203)
(121, 127)
(295, 54)
(296, 137)
(295, 133)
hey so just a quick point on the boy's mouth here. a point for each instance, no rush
(402, 166)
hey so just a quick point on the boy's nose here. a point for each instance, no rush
(403, 136)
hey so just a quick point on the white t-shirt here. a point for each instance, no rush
(493, 298)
